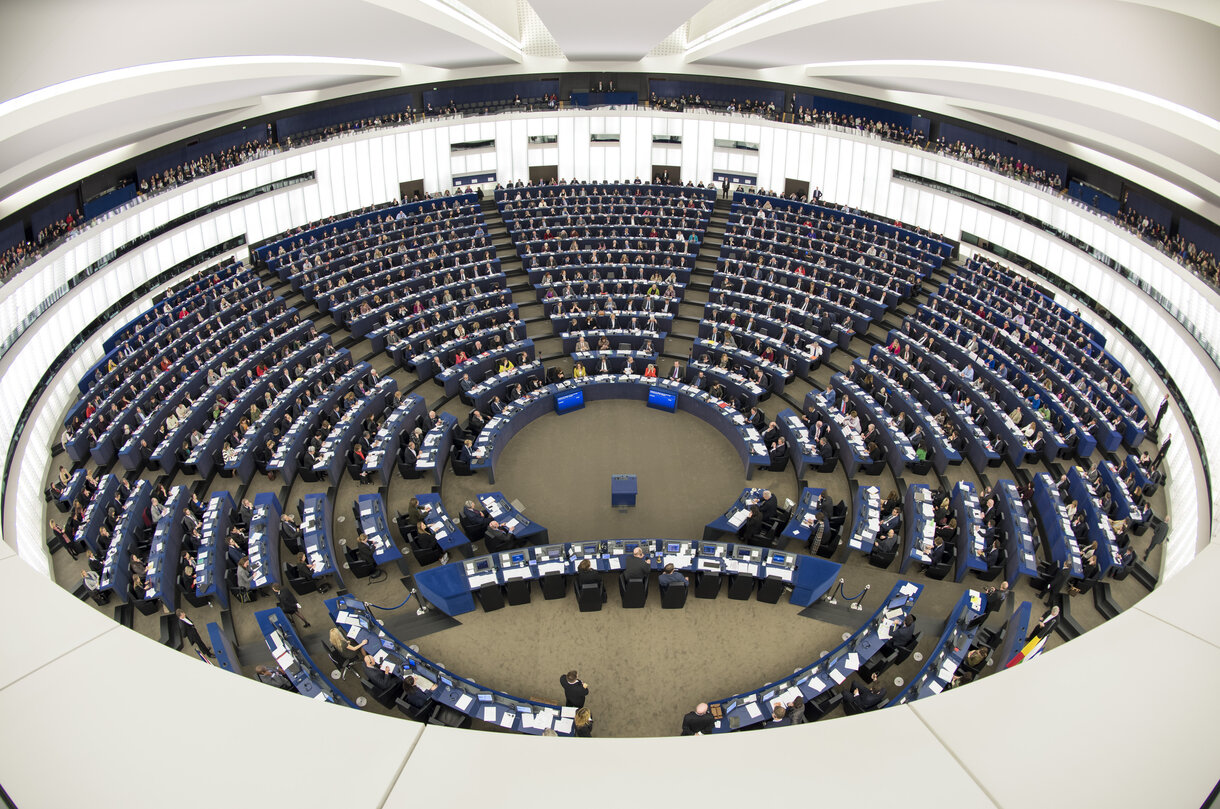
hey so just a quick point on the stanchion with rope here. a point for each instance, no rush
(858, 599)
(829, 598)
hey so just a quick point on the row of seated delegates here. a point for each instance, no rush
(1065, 427)
(875, 383)
(961, 387)
(881, 129)
(324, 419)
(204, 165)
(1058, 340)
(809, 233)
(862, 434)
(176, 332)
(1061, 329)
(997, 162)
(154, 384)
(406, 116)
(225, 386)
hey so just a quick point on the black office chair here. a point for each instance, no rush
(342, 664)
(240, 593)
(872, 467)
(673, 597)
(302, 585)
(408, 470)
(827, 465)
(830, 543)
(473, 530)
(880, 558)
(920, 467)
(305, 471)
(423, 556)
(419, 714)
(990, 574)
(939, 570)
(822, 704)
(385, 697)
(633, 591)
(906, 651)
(460, 469)
(591, 596)
(878, 663)
(449, 717)
(361, 569)
(838, 514)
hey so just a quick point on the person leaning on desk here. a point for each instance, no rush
(636, 565)
(669, 577)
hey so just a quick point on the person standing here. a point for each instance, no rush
(1160, 413)
(574, 690)
(1160, 453)
(289, 604)
(698, 721)
(192, 634)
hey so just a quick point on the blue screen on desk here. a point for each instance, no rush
(662, 400)
(777, 559)
(518, 558)
(710, 550)
(482, 564)
(567, 402)
(673, 547)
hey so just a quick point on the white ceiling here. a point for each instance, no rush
(1130, 82)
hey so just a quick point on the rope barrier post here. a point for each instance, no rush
(857, 605)
(829, 598)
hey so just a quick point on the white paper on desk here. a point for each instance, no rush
(909, 589)
(935, 687)
(737, 518)
(542, 720)
(512, 524)
(883, 631)
(614, 562)
(753, 710)
(507, 720)
(852, 662)
(380, 656)
(463, 702)
(489, 713)
(817, 684)
(563, 725)
(948, 670)
(837, 676)
(352, 632)
(567, 712)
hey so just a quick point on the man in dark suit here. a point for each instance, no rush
(497, 538)
(888, 543)
(779, 453)
(698, 721)
(939, 552)
(574, 690)
(415, 696)
(867, 697)
(636, 565)
(290, 532)
(289, 604)
(992, 555)
(1046, 625)
(892, 521)
(1057, 581)
(767, 506)
(380, 680)
(902, 636)
(192, 634)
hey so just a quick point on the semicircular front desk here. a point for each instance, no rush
(501, 428)
(451, 588)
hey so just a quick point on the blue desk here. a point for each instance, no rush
(288, 452)
(451, 587)
(315, 536)
(1015, 633)
(950, 651)
(379, 463)
(226, 655)
(76, 484)
(919, 519)
(970, 542)
(212, 556)
(359, 624)
(480, 395)
(1124, 506)
(116, 569)
(103, 498)
(731, 520)
(941, 453)
(848, 442)
(332, 456)
(294, 661)
(448, 534)
(371, 516)
(1020, 556)
(898, 450)
(264, 541)
(801, 449)
(810, 682)
(512, 520)
(1056, 527)
(623, 489)
(804, 515)
(435, 450)
(478, 366)
(866, 518)
(161, 576)
(1138, 476)
(1108, 554)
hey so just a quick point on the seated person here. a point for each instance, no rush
(669, 576)
(585, 574)
(497, 538)
(380, 679)
(414, 695)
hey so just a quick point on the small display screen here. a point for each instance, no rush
(567, 402)
(662, 400)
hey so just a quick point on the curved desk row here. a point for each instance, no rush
(355, 619)
(515, 416)
(290, 655)
(937, 672)
(452, 587)
(749, 708)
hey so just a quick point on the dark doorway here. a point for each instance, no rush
(791, 186)
(410, 188)
(547, 173)
(668, 174)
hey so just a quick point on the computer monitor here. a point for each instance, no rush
(445, 681)
(549, 553)
(484, 697)
(778, 559)
(589, 549)
(629, 547)
(518, 558)
(662, 400)
(567, 402)
(482, 564)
